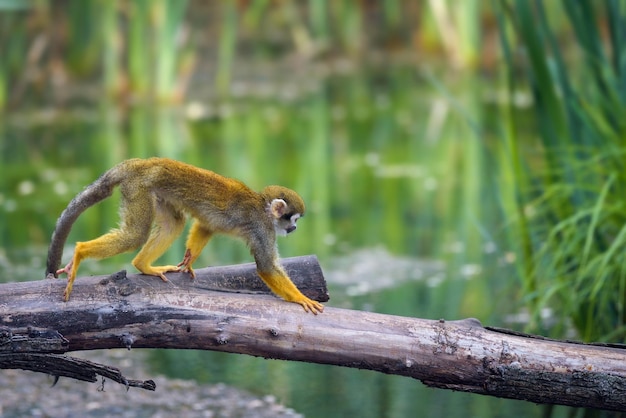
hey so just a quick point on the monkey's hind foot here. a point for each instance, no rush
(159, 271)
(65, 270)
(68, 289)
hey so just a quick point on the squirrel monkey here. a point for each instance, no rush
(159, 191)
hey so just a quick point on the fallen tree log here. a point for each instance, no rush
(143, 312)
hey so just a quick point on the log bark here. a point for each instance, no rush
(143, 312)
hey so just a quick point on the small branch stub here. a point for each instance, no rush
(127, 340)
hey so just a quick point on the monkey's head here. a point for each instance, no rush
(284, 206)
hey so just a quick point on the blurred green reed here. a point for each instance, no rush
(153, 49)
(567, 202)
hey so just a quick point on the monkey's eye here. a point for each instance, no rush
(286, 217)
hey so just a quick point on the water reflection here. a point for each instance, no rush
(397, 213)
(371, 270)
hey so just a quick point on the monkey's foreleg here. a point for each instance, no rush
(197, 240)
(278, 281)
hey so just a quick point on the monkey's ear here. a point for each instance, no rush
(278, 208)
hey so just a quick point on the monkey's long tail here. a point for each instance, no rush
(94, 193)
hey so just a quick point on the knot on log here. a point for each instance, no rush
(127, 340)
(274, 332)
(119, 284)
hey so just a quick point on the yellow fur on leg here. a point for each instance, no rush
(168, 225)
(70, 278)
(108, 245)
(281, 285)
(196, 241)
(157, 271)
(71, 269)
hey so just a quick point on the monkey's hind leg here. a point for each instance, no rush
(108, 245)
(169, 223)
(134, 230)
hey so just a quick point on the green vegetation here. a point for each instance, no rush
(566, 193)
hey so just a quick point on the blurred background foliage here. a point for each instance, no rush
(459, 158)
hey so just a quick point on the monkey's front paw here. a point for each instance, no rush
(185, 265)
(188, 269)
(186, 259)
(311, 306)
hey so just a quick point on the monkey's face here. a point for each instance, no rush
(286, 224)
(285, 207)
(283, 218)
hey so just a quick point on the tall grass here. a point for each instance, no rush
(568, 201)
